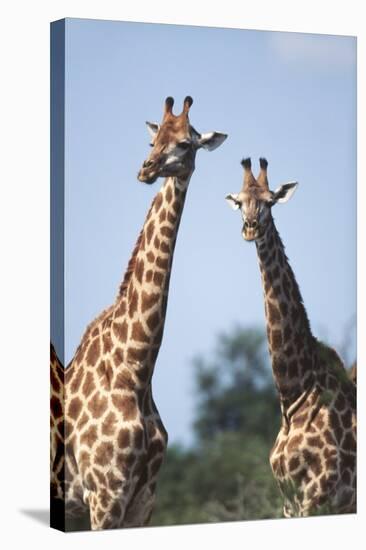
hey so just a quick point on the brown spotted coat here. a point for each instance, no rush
(114, 438)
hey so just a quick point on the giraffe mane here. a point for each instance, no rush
(106, 313)
(101, 317)
(130, 267)
(295, 283)
(132, 262)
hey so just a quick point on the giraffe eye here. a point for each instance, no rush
(151, 144)
(184, 144)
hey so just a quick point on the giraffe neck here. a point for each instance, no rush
(291, 343)
(140, 307)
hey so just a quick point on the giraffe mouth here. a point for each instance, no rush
(249, 239)
(147, 178)
(250, 234)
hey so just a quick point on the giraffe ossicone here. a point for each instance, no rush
(107, 437)
(314, 456)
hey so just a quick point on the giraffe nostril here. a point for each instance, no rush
(147, 163)
(254, 224)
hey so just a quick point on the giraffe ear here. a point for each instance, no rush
(232, 200)
(211, 140)
(152, 128)
(284, 192)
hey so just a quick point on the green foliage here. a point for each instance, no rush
(326, 397)
(227, 479)
(334, 362)
(226, 475)
(235, 390)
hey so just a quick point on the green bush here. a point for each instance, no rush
(225, 475)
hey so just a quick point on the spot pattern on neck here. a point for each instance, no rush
(314, 456)
(291, 343)
(113, 436)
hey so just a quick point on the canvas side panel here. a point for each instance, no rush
(57, 301)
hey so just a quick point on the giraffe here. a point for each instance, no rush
(57, 399)
(113, 436)
(314, 456)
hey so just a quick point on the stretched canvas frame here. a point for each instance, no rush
(58, 230)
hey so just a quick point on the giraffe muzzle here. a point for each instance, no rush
(150, 171)
(145, 177)
(250, 230)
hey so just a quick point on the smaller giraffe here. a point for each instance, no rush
(314, 456)
(108, 430)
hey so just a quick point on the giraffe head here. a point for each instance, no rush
(174, 144)
(255, 200)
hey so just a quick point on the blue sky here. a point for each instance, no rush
(289, 97)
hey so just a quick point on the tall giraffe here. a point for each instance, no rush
(113, 435)
(314, 456)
